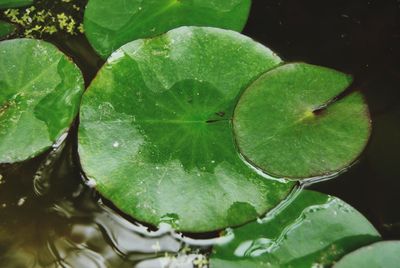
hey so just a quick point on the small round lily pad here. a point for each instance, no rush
(39, 98)
(289, 124)
(314, 230)
(155, 132)
(110, 24)
(379, 255)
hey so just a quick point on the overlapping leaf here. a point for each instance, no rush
(39, 97)
(288, 124)
(110, 24)
(156, 135)
(382, 254)
(314, 230)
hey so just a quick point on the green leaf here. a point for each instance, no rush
(15, 3)
(110, 24)
(382, 254)
(156, 135)
(6, 28)
(39, 98)
(288, 123)
(314, 230)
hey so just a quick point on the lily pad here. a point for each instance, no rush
(39, 98)
(15, 3)
(110, 24)
(382, 254)
(289, 125)
(6, 28)
(314, 230)
(156, 134)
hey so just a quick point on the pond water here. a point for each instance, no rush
(50, 218)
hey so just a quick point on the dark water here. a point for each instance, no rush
(55, 220)
(361, 38)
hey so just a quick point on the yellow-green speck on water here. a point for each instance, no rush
(47, 17)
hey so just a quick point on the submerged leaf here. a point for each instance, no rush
(382, 254)
(314, 230)
(156, 135)
(110, 24)
(287, 124)
(6, 28)
(39, 98)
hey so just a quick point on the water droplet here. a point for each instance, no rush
(91, 183)
(21, 201)
(156, 247)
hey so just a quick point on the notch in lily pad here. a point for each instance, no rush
(289, 124)
(155, 130)
(110, 24)
(40, 94)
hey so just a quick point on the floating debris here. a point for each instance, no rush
(46, 17)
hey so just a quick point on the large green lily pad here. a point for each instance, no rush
(156, 135)
(39, 97)
(379, 255)
(110, 24)
(288, 124)
(314, 230)
(14, 3)
(6, 28)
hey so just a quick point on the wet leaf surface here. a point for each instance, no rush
(156, 135)
(314, 230)
(358, 38)
(39, 98)
(110, 24)
(381, 254)
(288, 123)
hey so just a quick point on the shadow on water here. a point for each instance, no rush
(50, 218)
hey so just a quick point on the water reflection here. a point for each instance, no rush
(50, 218)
